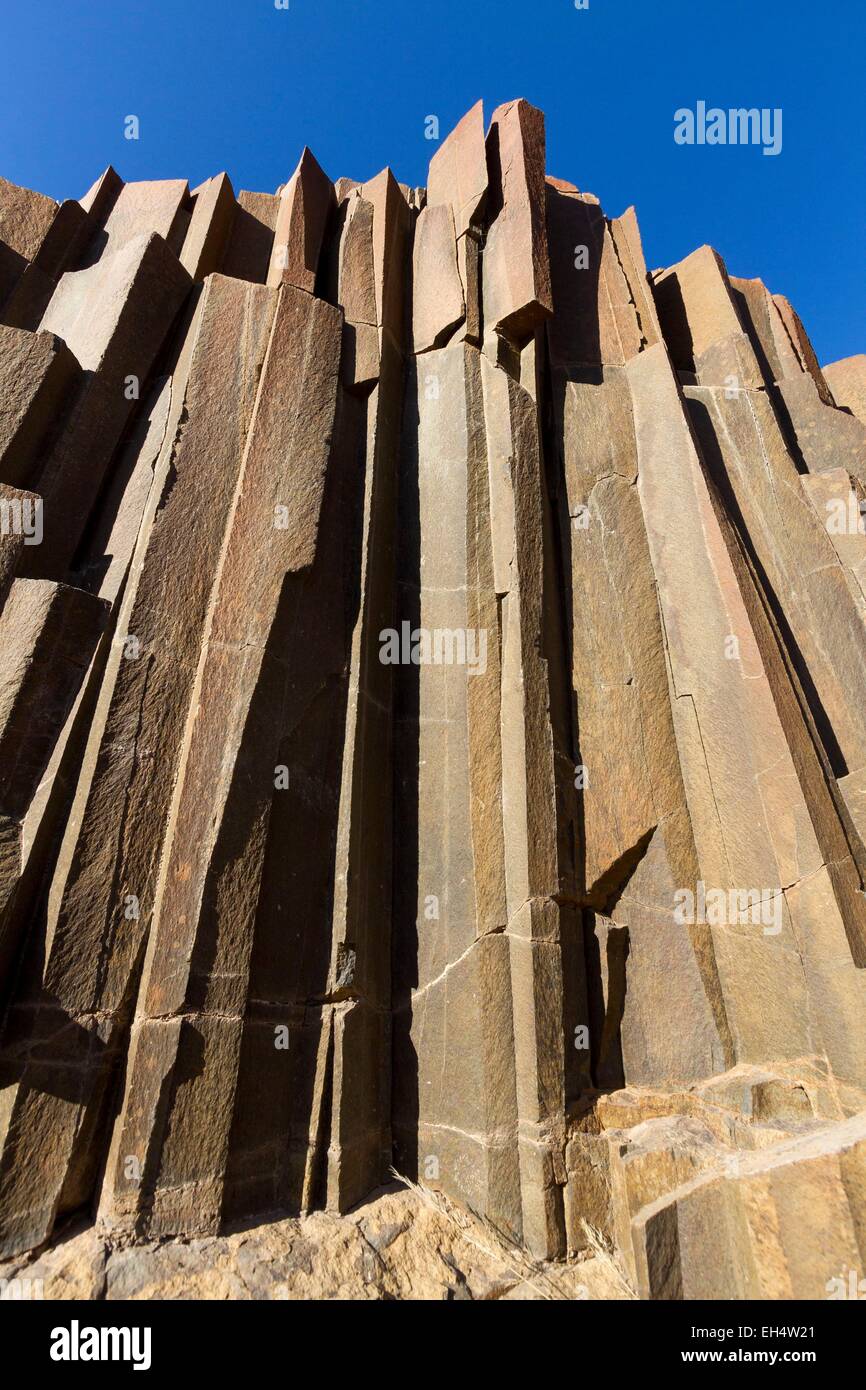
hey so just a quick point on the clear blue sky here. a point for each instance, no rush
(242, 86)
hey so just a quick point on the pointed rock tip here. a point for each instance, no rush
(212, 178)
(385, 176)
(307, 164)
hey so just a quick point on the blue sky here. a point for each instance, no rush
(242, 86)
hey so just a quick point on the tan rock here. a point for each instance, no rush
(138, 723)
(251, 238)
(209, 227)
(114, 317)
(234, 667)
(145, 209)
(458, 171)
(847, 381)
(305, 206)
(760, 316)
(697, 312)
(19, 526)
(780, 1224)
(391, 221)
(351, 277)
(438, 306)
(802, 346)
(39, 374)
(597, 319)
(61, 248)
(99, 198)
(47, 634)
(517, 295)
(25, 218)
(823, 436)
(431, 729)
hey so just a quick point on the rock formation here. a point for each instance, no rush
(433, 717)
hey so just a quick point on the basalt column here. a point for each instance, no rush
(432, 724)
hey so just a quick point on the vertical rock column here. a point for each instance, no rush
(743, 360)
(455, 1103)
(656, 1014)
(455, 1116)
(372, 281)
(101, 899)
(480, 1021)
(751, 821)
(185, 1056)
(543, 928)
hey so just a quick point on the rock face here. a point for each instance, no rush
(433, 717)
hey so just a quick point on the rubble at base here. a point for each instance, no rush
(398, 1245)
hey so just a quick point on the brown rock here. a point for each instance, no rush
(114, 317)
(847, 381)
(438, 305)
(102, 194)
(251, 239)
(431, 729)
(39, 374)
(20, 525)
(780, 1224)
(146, 209)
(517, 295)
(235, 670)
(306, 203)
(61, 247)
(458, 171)
(352, 285)
(25, 218)
(209, 227)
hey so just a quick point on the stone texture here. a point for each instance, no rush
(251, 237)
(602, 317)
(783, 1223)
(399, 1245)
(145, 209)
(25, 218)
(48, 633)
(213, 212)
(114, 317)
(517, 295)
(39, 374)
(432, 714)
(847, 381)
(458, 171)
(306, 203)
(71, 230)
(102, 194)
(438, 305)
(351, 276)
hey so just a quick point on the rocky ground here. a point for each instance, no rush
(402, 1244)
